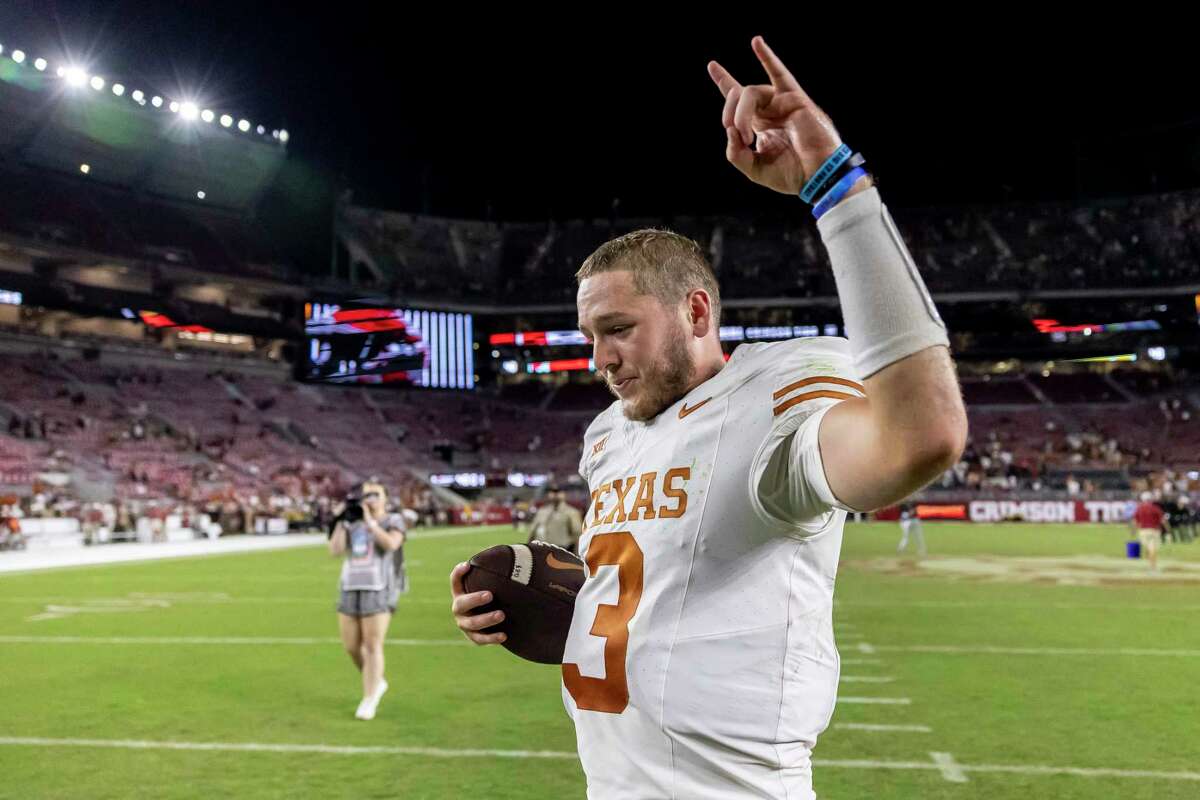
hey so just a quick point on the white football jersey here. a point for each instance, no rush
(701, 660)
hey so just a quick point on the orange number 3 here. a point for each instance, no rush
(610, 694)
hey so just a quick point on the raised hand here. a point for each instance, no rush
(776, 135)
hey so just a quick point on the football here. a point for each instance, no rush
(535, 586)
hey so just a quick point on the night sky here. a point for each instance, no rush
(524, 116)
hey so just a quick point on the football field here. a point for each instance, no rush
(1016, 661)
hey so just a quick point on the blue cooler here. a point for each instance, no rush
(1133, 549)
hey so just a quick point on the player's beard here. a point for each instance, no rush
(663, 382)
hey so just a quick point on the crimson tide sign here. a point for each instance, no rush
(1020, 511)
(1050, 510)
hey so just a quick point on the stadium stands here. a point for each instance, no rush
(86, 215)
(1138, 242)
(140, 431)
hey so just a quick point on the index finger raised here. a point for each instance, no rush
(721, 77)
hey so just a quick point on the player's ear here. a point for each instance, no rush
(699, 312)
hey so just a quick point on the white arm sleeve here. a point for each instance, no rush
(888, 311)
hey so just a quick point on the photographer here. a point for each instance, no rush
(372, 579)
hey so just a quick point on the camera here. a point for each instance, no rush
(353, 511)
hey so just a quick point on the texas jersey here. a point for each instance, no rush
(701, 659)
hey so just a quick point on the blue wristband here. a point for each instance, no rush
(838, 192)
(817, 182)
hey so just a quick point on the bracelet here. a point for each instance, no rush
(856, 160)
(839, 191)
(817, 182)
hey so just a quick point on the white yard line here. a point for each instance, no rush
(324, 598)
(36, 560)
(1180, 607)
(950, 769)
(883, 701)
(953, 649)
(258, 747)
(218, 640)
(863, 726)
(438, 752)
(1015, 769)
(110, 555)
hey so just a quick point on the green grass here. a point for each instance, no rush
(1131, 712)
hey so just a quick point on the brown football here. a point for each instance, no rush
(535, 586)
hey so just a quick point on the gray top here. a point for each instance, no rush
(368, 566)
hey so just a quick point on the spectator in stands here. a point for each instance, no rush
(1148, 520)
(371, 582)
(11, 537)
(557, 522)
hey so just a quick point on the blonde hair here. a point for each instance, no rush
(663, 263)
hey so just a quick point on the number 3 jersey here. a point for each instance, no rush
(701, 660)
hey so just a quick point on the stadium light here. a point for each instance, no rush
(97, 83)
(261, 130)
(85, 168)
(283, 136)
(18, 56)
(40, 64)
(243, 125)
(156, 101)
(201, 195)
(137, 95)
(1, 49)
(74, 76)
(226, 121)
(207, 115)
(61, 72)
(186, 110)
(118, 89)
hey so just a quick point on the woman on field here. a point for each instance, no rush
(371, 582)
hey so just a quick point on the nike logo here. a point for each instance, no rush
(556, 563)
(684, 410)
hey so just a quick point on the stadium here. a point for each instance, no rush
(226, 313)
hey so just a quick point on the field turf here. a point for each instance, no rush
(1016, 661)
